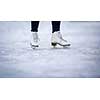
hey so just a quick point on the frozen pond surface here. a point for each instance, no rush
(82, 59)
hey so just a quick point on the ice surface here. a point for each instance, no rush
(82, 59)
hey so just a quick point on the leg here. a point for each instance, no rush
(55, 26)
(34, 26)
(57, 38)
(34, 34)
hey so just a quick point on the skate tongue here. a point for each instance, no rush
(35, 37)
(60, 36)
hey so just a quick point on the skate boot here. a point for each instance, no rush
(58, 39)
(34, 40)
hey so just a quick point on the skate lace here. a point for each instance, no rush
(60, 36)
(35, 37)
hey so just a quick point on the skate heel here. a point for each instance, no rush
(53, 44)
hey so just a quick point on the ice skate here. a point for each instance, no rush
(34, 40)
(57, 39)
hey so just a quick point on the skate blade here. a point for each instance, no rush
(34, 46)
(55, 44)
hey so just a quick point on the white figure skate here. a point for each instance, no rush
(57, 39)
(34, 40)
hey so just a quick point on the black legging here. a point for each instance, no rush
(55, 26)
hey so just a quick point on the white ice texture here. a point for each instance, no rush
(17, 59)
